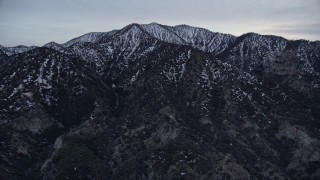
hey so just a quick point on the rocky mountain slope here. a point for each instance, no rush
(159, 102)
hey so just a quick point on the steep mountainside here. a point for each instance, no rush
(54, 45)
(3, 55)
(203, 39)
(160, 102)
(89, 37)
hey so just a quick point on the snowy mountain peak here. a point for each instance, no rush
(54, 45)
(184, 35)
(257, 41)
(163, 33)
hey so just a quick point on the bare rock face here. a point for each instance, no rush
(35, 121)
(306, 152)
(159, 102)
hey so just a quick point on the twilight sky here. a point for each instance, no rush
(36, 22)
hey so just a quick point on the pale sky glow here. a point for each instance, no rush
(36, 22)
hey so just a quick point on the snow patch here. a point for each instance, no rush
(16, 90)
(134, 77)
(189, 54)
(183, 68)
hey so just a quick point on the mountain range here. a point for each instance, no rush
(151, 101)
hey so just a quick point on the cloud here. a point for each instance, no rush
(61, 20)
(295, 31)
(308, 29)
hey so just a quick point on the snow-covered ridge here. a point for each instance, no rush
(163, 33)
(204, 39)
(16, 49)
(89, 37)
(198, 38)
